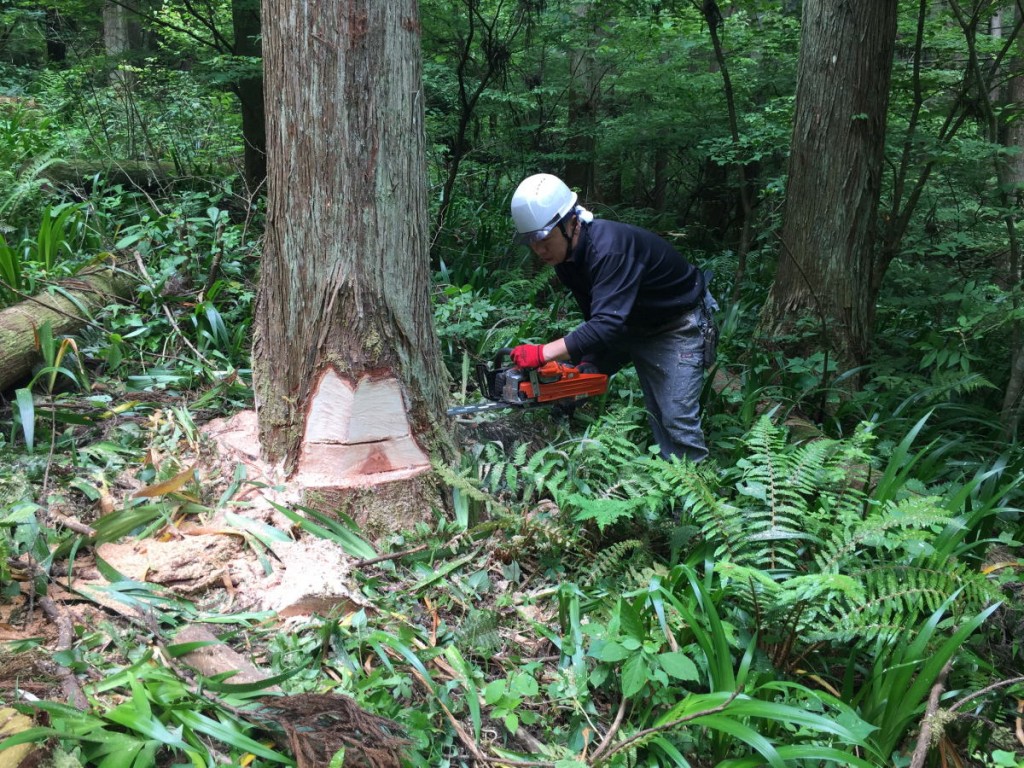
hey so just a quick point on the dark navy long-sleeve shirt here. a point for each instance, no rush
(624, 277)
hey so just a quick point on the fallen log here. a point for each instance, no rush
(67, 307)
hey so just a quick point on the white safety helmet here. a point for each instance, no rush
(539, 203)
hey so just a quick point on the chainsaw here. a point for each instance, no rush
(512, 387)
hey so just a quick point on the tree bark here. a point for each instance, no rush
(835, 176)
(582, 104)
(1011, 183)
(245, 22)
(349, 387)
(20, 323)
(56, 47)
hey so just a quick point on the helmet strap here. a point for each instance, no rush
(566, 235)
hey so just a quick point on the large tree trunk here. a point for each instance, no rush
(20, 323)
(349, 388)
(835, 175)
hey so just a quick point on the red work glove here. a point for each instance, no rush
(528, 355)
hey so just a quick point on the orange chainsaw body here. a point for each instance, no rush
(561, 381)
(510, 386)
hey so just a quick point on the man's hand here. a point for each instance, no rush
(528, 355)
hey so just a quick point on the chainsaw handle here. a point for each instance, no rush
(550, 368)
(503, 352)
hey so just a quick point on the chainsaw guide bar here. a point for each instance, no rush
(512, 387)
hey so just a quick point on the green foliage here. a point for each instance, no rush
(814, 553)
(62, 244)
(826, 562)
(160, 714)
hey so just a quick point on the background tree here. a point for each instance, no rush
(835, 176)
(349, 388)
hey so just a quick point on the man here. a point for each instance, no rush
(642, 303)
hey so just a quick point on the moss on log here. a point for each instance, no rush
(65, 307)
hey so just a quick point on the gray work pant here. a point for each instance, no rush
(670, 363)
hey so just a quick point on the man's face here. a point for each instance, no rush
(553, 249)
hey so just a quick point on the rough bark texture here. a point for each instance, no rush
(19, 323)
(835, 174)
(344, 321)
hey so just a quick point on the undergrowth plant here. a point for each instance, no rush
(821, 545)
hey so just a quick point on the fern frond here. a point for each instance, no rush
(695, 498)
(477, 633)
(899, 596)
(612, 559)
(467, 485)
(893, 525)
(28, 181)
(772, 487)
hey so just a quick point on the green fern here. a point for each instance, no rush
(477, 633)
(695, 494)
(805, 549)
(613, 560)
(27, 182)
(467, 485)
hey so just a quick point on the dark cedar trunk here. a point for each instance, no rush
(582, 112)
(245, 20)
(56, 48)
(349, 388)
(835, 175)
(1011, 183)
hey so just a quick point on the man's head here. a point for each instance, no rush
(542, 207)
(540, 202)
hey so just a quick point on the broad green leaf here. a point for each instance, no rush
(630, 622)
(525, 684)
(494, 691)
(609, 650)
(634, 675)
(678, 665)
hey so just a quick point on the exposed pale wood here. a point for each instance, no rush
(358, 435)
(13, 722)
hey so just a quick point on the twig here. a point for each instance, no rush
(392, 556)
(70, 523)
(467, 740)
(924, 738)
(170, 315)
(986, 689)
(65, 632)
(612, 730)
(664, 727)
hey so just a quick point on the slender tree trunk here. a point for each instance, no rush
(1011, 184)
(349, 389)
(582, 109)
(713, 17)
(835, 175)
(245, 21)
(56, 48)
